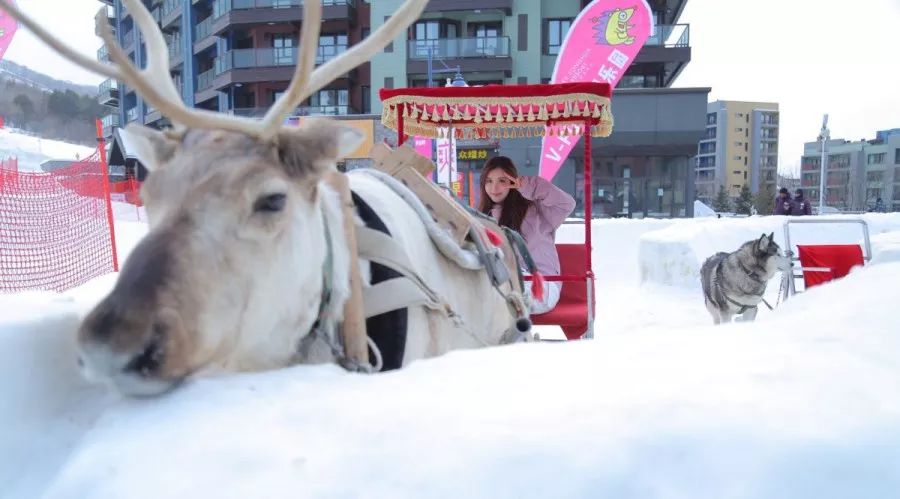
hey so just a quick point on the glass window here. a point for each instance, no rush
(555, 31)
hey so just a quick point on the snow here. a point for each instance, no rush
(674, 256)
(803, 403)
(702, 210)
(31, 151)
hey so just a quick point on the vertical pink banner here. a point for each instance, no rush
(8, 27)
(422, 146)
(601, 44)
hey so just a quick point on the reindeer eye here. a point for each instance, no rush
(270, 203)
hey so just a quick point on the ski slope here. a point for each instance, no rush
(31, 151)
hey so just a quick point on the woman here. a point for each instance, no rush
(533, 207)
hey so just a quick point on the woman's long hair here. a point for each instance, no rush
(515, 206)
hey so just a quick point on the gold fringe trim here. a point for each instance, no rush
(518, 122)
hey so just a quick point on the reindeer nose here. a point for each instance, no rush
(149, 360)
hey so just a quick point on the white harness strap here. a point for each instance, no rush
(399, 292)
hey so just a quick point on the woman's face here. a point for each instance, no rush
(497, 185)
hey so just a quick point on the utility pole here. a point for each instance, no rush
(824, 135)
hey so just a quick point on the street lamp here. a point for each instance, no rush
(458, 80)
(824, 135)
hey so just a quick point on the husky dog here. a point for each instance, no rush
(734, 283)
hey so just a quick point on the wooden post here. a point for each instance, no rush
(353, 330)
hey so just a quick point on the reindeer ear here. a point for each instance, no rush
(317, 145)
(151, 147)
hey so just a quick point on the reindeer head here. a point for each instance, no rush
(231, 274)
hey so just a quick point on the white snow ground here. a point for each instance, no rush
(31, 151)
(803, 403)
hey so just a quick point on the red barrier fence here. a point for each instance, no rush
(56, 229)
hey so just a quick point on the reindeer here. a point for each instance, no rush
(245, 255)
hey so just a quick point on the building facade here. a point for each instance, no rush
(857, 174)
(740, 147)
(237, 56)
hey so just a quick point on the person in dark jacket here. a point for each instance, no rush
(783, 203)
(801, 204)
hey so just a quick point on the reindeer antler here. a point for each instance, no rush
(156, 86)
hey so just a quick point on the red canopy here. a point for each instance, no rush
(500, 111)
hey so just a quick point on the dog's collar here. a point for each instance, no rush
(748, 271)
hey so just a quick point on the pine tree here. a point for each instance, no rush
(722, 203)
(744, 202)
(764, 200)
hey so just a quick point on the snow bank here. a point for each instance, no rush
(807, 409)
(673, 256)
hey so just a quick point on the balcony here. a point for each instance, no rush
(669, 46)
(259, 112)
(169, 13)
(131, 114)
(464, 5)
(203, 38)
(227, 13)
(176, 51)
(105, 14)
(205, 80)
(470, 54)
(152, 116)
(670, 36)
(109, 93)
(255, 66)
(103, 54)
(128, 41)
(109, 122)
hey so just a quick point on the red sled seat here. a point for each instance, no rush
(826, 262)
(575, 311)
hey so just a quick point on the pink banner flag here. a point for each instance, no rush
(8, 27)
(422, 146)
(601, 43)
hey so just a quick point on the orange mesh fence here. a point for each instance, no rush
(55, 228)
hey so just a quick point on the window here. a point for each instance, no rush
(737, 158)
(875, 176)
(427, 36)
(284, 49)
(332, 101)
(638, 81)
(875, 159)
(873, 194)
(706, 162)
(711, 118)
(330, 46)
(839, 161)
(486, 37)
(897, 156)
(366, 99)
(738, 144)
(739, 115)
(738, 129)
(365, 32)
(554, 33)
